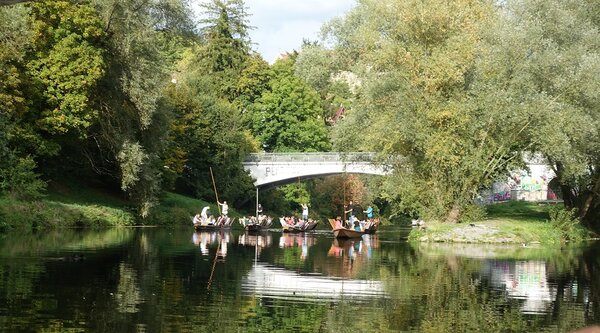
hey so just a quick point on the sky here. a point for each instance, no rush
(280, 25)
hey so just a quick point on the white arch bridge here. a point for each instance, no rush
(282, 168)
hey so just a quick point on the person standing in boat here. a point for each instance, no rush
(367, 224)
(305, 212)
(225, 209)
(369, 212)
(350, 210)
(259, 211)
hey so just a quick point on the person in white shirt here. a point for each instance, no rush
(225, 209)
(197, 219)
(204, 213)
(305, 212)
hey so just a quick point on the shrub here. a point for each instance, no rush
(19, 179)
(567, 223)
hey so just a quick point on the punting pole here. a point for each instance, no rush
(215, 187)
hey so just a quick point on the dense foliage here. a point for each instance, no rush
(137, 98)
(464, 89)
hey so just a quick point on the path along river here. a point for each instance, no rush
(177, 280)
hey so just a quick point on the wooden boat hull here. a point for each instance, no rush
(255, 227)
(347, 233)
(208, 227)
(221, 224)
(292, 229)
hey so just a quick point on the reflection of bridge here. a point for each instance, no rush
(269, 281)
(282, 168)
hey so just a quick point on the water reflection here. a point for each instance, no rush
(524, 280)
(265, 280)
(205, 238)
(300, 240)
(353, 248)
(155, 279)
(260, 240)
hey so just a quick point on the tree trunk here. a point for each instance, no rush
(453, 215)
(567, 194)
(586, 203)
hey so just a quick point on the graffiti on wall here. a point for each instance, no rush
(529, 184)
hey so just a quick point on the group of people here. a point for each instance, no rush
(303, 224)
(353, 222)
(205, 217)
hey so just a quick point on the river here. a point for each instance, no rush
(177, 280)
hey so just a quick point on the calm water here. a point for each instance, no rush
(176, 280)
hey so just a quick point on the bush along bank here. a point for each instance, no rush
(69, 211)
(41, 214)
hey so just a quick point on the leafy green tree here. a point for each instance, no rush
(423, 96)
(320, 68)
(207, 96)
(254, 80)
(226, 46)
(67, 64)
(147, 31)
(551, 52)
(288, 117)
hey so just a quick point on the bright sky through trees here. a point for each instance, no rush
(281, 25)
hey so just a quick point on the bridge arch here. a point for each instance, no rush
(272, 169)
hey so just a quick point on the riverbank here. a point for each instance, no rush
(65, 207)
(523, 223)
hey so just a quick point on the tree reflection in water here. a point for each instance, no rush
(153, 279)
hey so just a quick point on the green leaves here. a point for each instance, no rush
(288, 117)
(67, 63)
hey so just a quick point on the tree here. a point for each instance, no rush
(67, 65)
(227, 44)
(425, 97)
(551, 52)
(288, 117)
(208, 96)
(320, 68)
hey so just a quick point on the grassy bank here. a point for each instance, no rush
(70, 207)
(512, 222)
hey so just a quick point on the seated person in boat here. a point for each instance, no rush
(357, 225)
(197, 219)
(289, 220)
(338, 223)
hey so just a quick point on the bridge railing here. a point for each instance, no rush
(310, 157)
